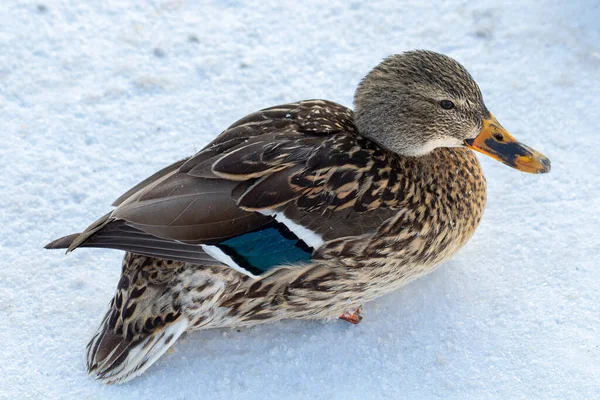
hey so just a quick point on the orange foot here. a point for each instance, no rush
(353, 316)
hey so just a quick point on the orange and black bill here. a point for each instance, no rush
(496, 142)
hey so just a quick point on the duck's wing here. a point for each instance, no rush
(268, 191)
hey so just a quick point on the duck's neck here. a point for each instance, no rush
(445, 201)
(454, 180)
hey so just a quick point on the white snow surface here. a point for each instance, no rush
(97, 95)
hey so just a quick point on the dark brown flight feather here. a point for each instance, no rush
(304, 159)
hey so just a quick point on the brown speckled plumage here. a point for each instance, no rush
(390, 193)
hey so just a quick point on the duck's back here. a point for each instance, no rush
(270, 190)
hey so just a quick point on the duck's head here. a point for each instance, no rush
(417, 101)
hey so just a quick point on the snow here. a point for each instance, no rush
(95, 96)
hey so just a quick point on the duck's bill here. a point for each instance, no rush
(496, 142)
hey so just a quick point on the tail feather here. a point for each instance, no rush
(89, 231)
(117, 359)
(144, 319)
(71, 242)
(63, 242)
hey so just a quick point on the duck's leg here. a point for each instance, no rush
(352, 316)
(156, 301)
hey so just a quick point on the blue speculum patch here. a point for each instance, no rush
(271, 246)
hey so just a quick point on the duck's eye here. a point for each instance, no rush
(446, 104)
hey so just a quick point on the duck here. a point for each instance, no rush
(306, 210)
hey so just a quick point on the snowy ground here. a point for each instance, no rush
(95, 96)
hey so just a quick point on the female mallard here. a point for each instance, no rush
(304, 210)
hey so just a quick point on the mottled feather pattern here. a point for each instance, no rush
(152, 296)
(385, 220)
(433, 220)
(419, 200)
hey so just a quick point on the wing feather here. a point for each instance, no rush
(154, 177)
(302, 162)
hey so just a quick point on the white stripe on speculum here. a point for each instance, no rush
(219, 255)
(306, 235)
